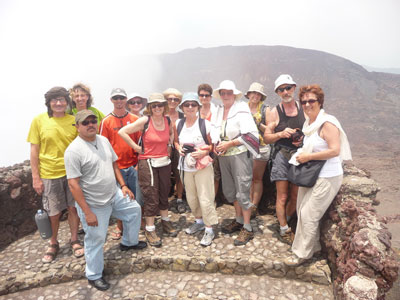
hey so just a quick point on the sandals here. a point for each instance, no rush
(52, 254)
(77, 250)
(116, 234)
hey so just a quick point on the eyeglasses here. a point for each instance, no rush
(190, 104)
(159, 105)
(227, 93)
(173, 99)
(118, 98)
(310, 101)
(62, 100)
(286, 88)
(204, 95)
(137, 102)
(86, 122)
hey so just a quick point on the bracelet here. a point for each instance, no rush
(123, 185)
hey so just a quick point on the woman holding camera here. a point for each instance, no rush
(193, 142)
(324, 140)
(236, 137)
(154, 166)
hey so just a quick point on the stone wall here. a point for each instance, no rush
(357, 241)
(18, 203)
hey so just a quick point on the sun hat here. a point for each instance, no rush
(118, 92)
(283, 79)
(190, 96)
(82, 115)
(156, 97)
(256, 87)
(227, 85)
(172, 91)
(137, 95)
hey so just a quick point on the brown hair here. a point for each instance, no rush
(315, 89)
(205, 87)
(84, 88)
(53, 93)
(148, 111)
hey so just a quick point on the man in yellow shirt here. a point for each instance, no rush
(49, 135)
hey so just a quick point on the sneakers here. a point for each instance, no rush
(152, 238)
(168, 228)
(253, 212)
(207, 239)
(287, 237)
(232, 227)
(195, 227)
(243, 237)
(180, 207)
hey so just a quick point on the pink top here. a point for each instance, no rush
(155, 142)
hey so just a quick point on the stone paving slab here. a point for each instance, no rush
(21, 266)
(154, 285)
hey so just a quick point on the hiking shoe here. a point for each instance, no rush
(294, 261)
(232, 227)
(243, 237)
(207, 239)
(287, 237)
(152, 238)
(168, 228)
(195, 227)
(180, 207)
(253, 212)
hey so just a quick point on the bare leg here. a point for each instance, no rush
(150, 221)
(281, 198)
(238, 209)
(73, 221)
(257, 183)
(179, 188)
(291, 206)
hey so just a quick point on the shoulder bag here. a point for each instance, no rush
(305, 174)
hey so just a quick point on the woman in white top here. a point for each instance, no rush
(324, 140)
(193, 142)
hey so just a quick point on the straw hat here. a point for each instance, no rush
(172, 91)
(256, 87)
(227, 85)
(156, 97)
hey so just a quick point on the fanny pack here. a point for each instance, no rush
(159, 162)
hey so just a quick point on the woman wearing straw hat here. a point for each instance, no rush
(154, 166)
(235, 135)
(196, 167)
(136, 104)
(174, 98)
(258, 109)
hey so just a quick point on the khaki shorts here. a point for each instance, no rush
(56, 195)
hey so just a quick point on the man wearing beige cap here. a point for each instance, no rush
(93, 173)
(282, 122)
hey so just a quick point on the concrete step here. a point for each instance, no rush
(22, 268)
(155, 285)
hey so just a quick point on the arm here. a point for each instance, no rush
(272, 120)
(176, 141)
(76, 191)
(331, 134)
(120, 180)
(37, 182)
(125, 131)
(172, 129)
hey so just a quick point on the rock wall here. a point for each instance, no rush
(357, 241)
(18, 203)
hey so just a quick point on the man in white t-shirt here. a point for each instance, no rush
(92, 174)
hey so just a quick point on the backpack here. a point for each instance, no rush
(145, 127)
(202, 125)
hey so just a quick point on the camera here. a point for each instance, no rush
(296, 137)
(188, 148)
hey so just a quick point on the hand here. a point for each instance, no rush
(222, 147)
(138, 149)
(126, 191)
(298, 143)
(91, 219)
(198, 154)
(286, 134)
(303, 158)
(38, 185)
(180, 150)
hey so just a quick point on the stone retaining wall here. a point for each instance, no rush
(18, 203)
(357, 241)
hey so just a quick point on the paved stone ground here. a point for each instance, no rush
(21, 267)
(179, 285)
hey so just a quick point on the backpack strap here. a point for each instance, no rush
(145, 127)
(180, 125)
(202, 125)
(263, 108)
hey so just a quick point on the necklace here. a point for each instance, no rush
(93, 144)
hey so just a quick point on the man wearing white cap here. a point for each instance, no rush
(282, 122)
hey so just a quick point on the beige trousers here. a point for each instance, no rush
(200, 194)
(312, 204)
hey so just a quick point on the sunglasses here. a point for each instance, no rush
(190, 104)
(204, 95)
(137, 102)
(86, 122)
(173, 99)
(118, 98)
(310, 101)
(159, 105)
(286, 88)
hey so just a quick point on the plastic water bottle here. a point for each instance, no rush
(43, 224)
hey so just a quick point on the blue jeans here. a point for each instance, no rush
(131, 180)
(122, 208)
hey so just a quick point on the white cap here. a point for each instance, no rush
(283, 79)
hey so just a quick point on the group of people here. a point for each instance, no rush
(121, 164)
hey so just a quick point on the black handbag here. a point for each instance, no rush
(306, 174)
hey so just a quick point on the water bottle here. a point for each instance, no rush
(43, 224)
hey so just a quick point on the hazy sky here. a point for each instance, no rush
(48, 43)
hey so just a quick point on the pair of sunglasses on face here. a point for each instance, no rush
(286, 88)
(118, 98)
(137, 102)
(86, 122)
(310, 101)
(190, 104)
(159, 105)
(173, 99)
